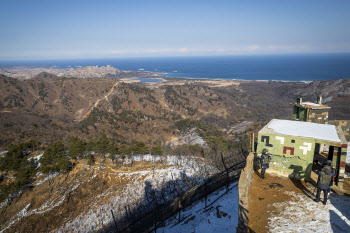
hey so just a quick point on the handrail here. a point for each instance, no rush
(158, 215)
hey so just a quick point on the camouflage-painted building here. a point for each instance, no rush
(292, 145)
(318, 113)
(310, 112)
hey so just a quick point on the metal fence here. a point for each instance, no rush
(157, 217)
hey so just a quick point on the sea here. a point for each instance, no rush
(301, 67)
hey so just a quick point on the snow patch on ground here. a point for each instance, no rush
(2, 153)
(191, 138)
(52, 175)
(36, 158)
(161, 184)
(221, 216)
(302, 214)
(239, 128)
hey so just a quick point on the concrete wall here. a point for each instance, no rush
(243, 192)
(291, 155)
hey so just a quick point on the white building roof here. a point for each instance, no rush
(304, 129)
(311, 104)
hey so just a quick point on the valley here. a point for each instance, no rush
(73, 149)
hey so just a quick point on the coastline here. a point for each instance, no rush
(27, 72)
(244, 80)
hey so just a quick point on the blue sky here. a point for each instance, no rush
(55, 29)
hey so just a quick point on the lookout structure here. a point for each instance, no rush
(318, 113)
(293, 146)
(310, 112)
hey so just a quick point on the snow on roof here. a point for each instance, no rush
(305, 129)
(311, 104)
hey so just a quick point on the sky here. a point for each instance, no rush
(61, 29)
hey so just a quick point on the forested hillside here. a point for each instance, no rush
(57, 132)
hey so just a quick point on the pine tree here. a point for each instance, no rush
(102, 144)
(76, 147)
(156, 150)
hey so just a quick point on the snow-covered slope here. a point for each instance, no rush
(82, 200)
(221, 216)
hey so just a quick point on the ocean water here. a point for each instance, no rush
(148, 80)
(259, 67)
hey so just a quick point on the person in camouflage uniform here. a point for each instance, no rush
(264, 161)
(334, 173)
(324, 180)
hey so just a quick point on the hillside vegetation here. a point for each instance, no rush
(48, 108)
(68, 142)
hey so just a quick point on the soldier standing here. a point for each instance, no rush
(264, 161)
(334, 173)
(324, 179)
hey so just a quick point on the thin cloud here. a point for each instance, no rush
(251, 49)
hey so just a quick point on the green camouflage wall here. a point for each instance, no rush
(311, 117)
(345, 125)
(291, 155)
(302, 113)
(314, 112)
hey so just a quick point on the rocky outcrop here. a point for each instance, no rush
(26, 72)
(22, 72)
(190, 138)
(86, 72)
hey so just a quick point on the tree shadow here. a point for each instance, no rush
(150, 208)
(243, 221)
(166, 202)
(298, 175)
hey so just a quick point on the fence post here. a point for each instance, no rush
(252, 142)
(131, 219)
(127, 215)
(115, 223)
(155, 222)
(227, 181)
(206, 193)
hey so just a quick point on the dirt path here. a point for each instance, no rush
(264, 193)
(281, 204)
(98, 101)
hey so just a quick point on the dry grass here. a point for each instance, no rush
(77, 193)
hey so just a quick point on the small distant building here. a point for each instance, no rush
(310, 112)
(293, 143)
(317, 113)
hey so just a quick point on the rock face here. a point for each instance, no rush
(85, 72)
(22, 72)
(191, 138)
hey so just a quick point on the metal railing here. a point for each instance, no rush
(157, 217)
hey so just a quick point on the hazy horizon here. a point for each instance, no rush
(46, 30)
(175, 56)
